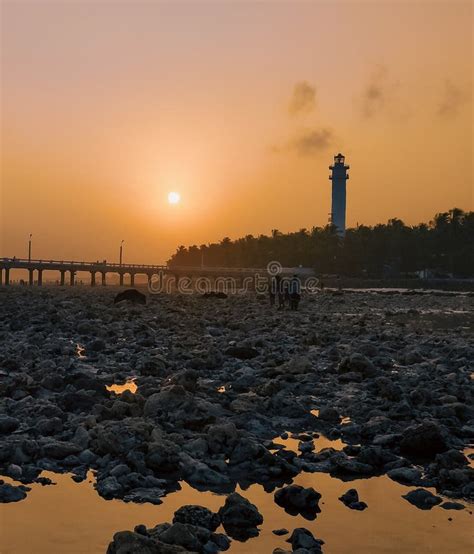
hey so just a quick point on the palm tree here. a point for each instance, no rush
(446, 243)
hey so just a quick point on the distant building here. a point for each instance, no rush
(339, 177)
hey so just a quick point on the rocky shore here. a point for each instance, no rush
(219, 381)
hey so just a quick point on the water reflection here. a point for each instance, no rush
(469, 453)
(80, 351)
(84, 522)
(320, 443)
(129, 385)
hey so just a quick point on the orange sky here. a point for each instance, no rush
(108, 106)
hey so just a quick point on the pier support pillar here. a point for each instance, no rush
(40, 277)
(1, 277)
(31, 279)
(132, 279)
(7, 276)
(121, 279)
(72, 276)
(92, 278)
(103, 279)
(61, 281)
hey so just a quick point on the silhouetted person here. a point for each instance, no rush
(272, 291)
(276, 291)
(295, 292)
(279, 291)
(286, 292)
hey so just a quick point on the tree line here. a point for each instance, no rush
(444, 246)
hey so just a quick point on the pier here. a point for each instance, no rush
(98, 270)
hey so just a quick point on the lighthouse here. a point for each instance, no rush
(339, 177)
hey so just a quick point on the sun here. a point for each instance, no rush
(174, 198)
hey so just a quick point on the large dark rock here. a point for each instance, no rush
(302, 540)
(120, 438)
(357, 363)
(299, 500)
(162, 456)
(388, 389)
(50, 426)
(201, 476)
(131, 295)
(167, 400)
(422, 499)
(222, 438)
(191, 537)
(10, 493)
(242, 352)
(351, 500)
(405, 475)
(128, 542)
(8, 424)
(452, 506)
(109, 487)
(451, 459)
(345, 465)
(79, 401)
(298, 365)
(60, 449)
(97, 345)
(149, 365)
(197, 515)
(424, 440)
(215, 294)
(187, 378)
(182, 535)
(328, 413)
(240, 517)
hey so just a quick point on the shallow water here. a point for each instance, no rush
(119, 389)
(320, 443)
(469, 451)
(71, 518)
(80, 351)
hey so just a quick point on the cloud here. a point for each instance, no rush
(376, 93)
(309, 141)
(452, 101)
(303, 99)
(312, 141)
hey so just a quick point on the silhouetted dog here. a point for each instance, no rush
(132, 295)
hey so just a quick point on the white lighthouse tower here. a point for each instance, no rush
(339, 177)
